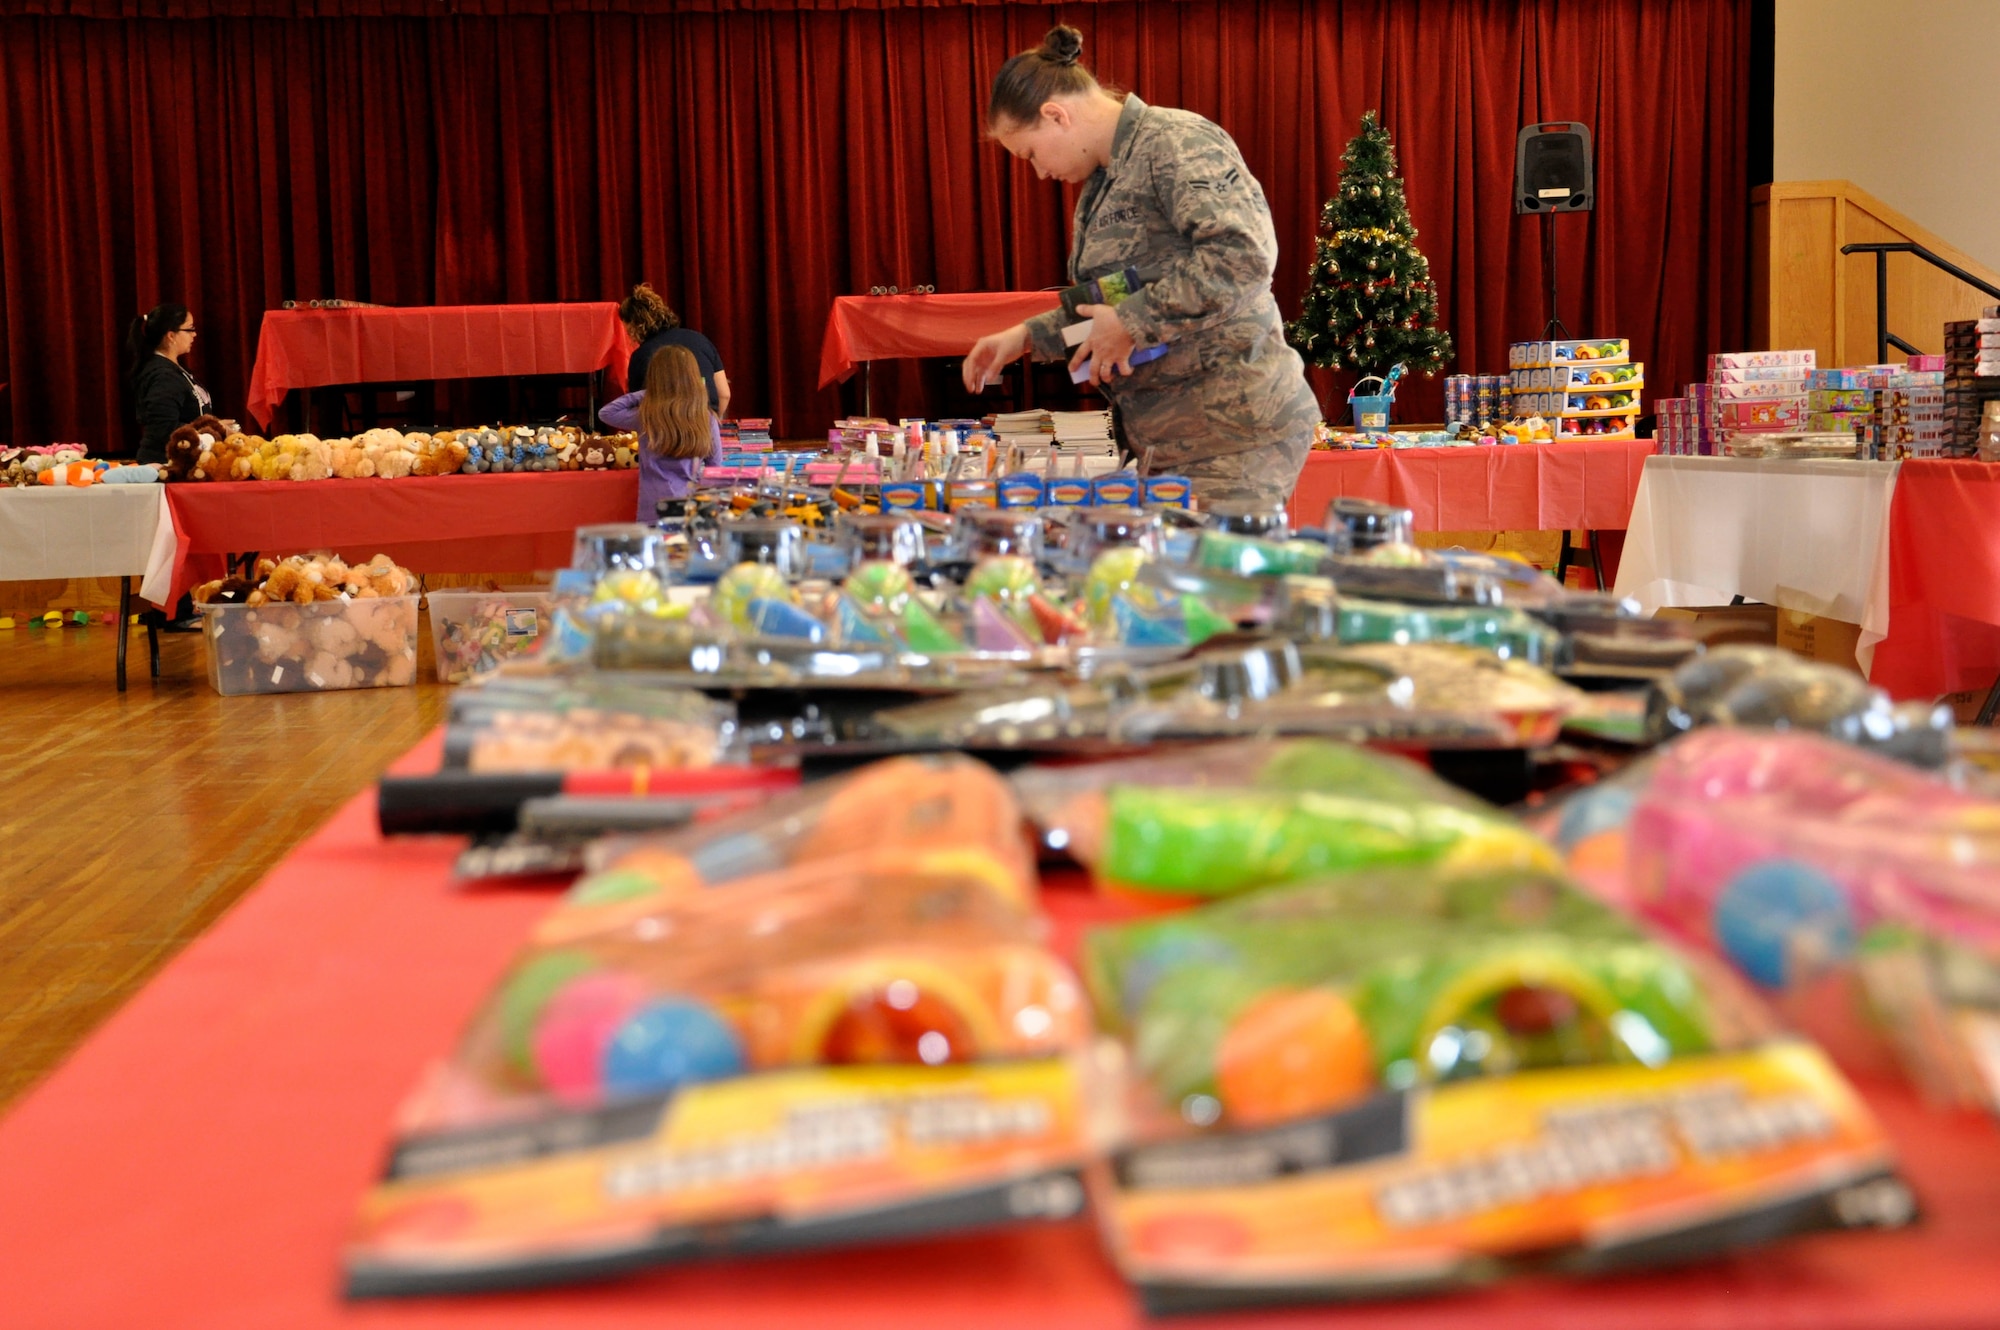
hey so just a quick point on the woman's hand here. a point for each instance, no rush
(991, 353)
(1108, 348)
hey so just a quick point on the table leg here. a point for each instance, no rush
(153, 647)
(124, 625)
(1564, 558)
(867, 388)
(1596, 561)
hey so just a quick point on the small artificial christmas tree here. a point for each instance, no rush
(1369, 300)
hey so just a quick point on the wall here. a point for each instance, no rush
(1901, 99)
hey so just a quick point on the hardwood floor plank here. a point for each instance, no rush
(131, 822)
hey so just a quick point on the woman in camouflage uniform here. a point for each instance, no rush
(1167, 192)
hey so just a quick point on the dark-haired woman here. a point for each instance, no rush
(1165, 192)
(652, 324)
(165, 396)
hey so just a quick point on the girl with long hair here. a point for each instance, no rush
(677, 431)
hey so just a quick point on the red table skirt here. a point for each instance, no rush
(429, 524)
(198, 1161)
(309, 348)
(1525, 487)
(862, 328)
(1944, 581)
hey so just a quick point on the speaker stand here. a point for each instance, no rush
(1553, 330)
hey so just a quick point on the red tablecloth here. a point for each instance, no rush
(430, 524)
(1525, 487)
(197, 1162)
(862, 328)
(309, 348)
(1944, 580)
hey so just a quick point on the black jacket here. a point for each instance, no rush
(164, 401)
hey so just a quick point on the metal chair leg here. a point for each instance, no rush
(124, 626)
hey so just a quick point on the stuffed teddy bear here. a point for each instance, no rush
(433, 459)
(314, 460)
(223, 591)
(275, 458)
(14, 468)
(186, 445)
(380, 576)
(346, 459)
(596, 457)
(390, 453)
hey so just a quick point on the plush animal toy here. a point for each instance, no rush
(71, 473)
(223, 591)
(132, 473)
(314, 460)
(186, 445)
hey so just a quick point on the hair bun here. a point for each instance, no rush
(1063, 45)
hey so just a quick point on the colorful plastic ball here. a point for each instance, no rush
(877, 582)
(1782, 919)
(898, 1022)
(1293, 1052)
(524, 995)
(632, 586)
(576, 1027)
(1530, 1010)
(670, 1043)
(1112, 574)
(730, 601)
(1006, 578)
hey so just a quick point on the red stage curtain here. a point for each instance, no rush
(754, 159)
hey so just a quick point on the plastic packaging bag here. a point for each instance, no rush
(1229, 818)
(1392, 1081)
(848, 1032)
(1803, 861)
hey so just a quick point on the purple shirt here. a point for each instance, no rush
(659, 477)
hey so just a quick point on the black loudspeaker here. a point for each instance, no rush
(1552, 168)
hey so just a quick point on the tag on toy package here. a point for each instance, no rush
(1390, 1082)
(827, 1020)
(1231, 818)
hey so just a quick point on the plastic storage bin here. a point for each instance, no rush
(473, 631)
(284, 648)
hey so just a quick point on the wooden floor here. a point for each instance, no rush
(132, 821)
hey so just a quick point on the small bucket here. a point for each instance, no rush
(1370, 413)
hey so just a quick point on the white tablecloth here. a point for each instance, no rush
(1806, 536)
(89, 531)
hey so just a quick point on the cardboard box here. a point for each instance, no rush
(1828, 641)
(1754, 625)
